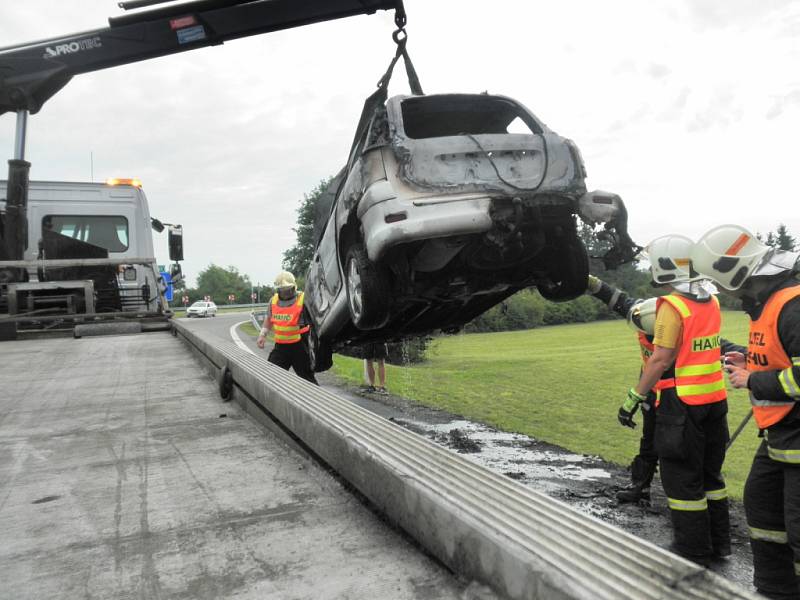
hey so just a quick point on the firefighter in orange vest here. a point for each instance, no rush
(640, 315)
(765, 279)
(691, 417)
(288, 319)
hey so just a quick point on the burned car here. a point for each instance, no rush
(448, 205)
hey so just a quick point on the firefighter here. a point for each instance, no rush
(691, 418)
(640, 315)
(765, 281)
(288, 319)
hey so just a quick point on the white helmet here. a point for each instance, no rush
(728, 254)
(642, 316)
(285, 279)
(669, 259)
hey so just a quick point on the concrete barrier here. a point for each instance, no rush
(482, 525)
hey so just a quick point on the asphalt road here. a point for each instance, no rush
(587, 483)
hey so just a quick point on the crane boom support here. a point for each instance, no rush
(32, 73)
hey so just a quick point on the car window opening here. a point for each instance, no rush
(430, 117)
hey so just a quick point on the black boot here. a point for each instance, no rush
(642, 472)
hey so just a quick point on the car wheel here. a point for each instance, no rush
(319, 353)
(568, 270)
(367, 290)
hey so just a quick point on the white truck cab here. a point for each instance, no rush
(104, 226)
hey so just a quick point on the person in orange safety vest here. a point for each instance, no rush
(765, 279)
(691, 416)
(287, 319)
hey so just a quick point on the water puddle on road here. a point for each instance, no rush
(515, 455)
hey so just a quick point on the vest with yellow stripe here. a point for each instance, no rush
(285, 320)
(647, 348)
(766, 353)
(698, 372)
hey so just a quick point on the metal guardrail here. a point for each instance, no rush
(175, 306)
(482, 525)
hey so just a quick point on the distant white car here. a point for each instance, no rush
(202, 309)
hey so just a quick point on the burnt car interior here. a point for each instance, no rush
(425, 117)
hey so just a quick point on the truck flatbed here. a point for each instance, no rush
(124, 475)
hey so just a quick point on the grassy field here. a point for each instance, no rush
(562, 384)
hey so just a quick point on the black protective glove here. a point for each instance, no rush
(629, 408)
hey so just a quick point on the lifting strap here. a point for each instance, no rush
(378, 97)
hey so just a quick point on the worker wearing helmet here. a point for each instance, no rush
(765, 279)
(691, 419)
(288, 319)
(640, 315)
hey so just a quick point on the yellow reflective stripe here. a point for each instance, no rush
(692, 370)
(769, 535)
(679, 304)
(688, 505)
(717, 494)
(274, 299)
(284, 336)
(286, 327)
(700, 388)
(789, 383)
(787, 456)
(300, 298)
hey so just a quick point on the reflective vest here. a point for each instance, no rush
(647, 348)
(765, 353)
(698, 372)
(285, 320)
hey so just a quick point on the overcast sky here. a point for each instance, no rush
(690, 110)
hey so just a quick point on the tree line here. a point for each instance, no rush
(218, 283)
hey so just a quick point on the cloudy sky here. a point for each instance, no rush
(690, 110)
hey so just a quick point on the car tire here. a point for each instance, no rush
(367, 290)
(569, 270)
(319, 353)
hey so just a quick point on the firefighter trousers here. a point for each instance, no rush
(772, 506)
(294, 356)
(647, 448)
(690, 441)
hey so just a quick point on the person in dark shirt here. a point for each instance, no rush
(765, 279)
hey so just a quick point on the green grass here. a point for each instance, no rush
(249, 329)
(561, 384)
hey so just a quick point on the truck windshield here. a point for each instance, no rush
(109, 232)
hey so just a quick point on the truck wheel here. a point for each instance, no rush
(569, 270)
(319, 353)
(367, 290)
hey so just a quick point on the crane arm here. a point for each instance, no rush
(32, 73)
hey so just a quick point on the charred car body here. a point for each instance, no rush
(448, 205)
